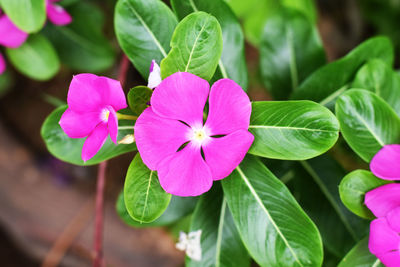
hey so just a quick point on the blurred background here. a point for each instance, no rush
(47, 206)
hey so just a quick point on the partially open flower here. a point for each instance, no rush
(172, 139)
(57, 14)
(92, 105)
(155, 75)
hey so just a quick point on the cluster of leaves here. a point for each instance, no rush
(281, 205)
(81, 45)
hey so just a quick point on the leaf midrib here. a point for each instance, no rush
(289, 128)
(147, 196)
(220, 231)
(259, 201)
(195, 44)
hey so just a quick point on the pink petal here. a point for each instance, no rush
(111, 92)
(83, 96)
(2, 64)
(154, 76)
(382, 238)
(113, 124)
(181, 96)
(393, 219)
(386, 163)
(10, 35)
(224, 154)
(94, 141)
(230, 108)
(58, 15)
(383, 199)
(157, 137)
(185, 173)
(390, 259)
(78, 125)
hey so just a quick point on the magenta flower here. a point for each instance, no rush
(384, 238)
(10, 36)
(386, 163)
(57, 14)
(172, 139)
(92, 105)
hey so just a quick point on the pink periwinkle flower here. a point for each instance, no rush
(10, 36)
(172, 139)
(386, 163)
(92, 105)
(57, 14)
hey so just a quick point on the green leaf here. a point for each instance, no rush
(273, 227)
(328, 82)
(290, 50)
(220, 241)
(367, 122)
(6, 82)
(378, 77)
(36, 58)
(81, 45)
(353, 188)
(145, 199)
(144, 29)
(233, 63)
(359, 256)
(292, 130)
(28, 15)
(178, 208)
(69, 149)
(196, 47)
(138, 97)
(306, 7)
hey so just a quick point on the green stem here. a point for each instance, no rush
(126, 117)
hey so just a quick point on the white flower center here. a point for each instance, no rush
(105, 113)
(199, 135)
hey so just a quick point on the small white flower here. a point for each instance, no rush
(191, 244)
(155, 75)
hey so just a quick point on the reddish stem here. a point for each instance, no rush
(123, 69)
(98, 231)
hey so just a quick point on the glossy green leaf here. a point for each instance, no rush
(367, 122)
(306, 7)
(144, 29)
(145, 199)
(36, 58)
(196, 46)
(232, 64)
(138, 98)
(220, 241)
(273, 227)
(359, 256)
(379, 78)
(69, 149)
(178, 208)
(328, 82)
(28, 15)
(81, 45)
(290, 50)
(292, 130)
(353, 188)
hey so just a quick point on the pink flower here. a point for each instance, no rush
(386, 163)
(384, 238)
(92, 105)
(172, 139)
(10, 36)
(57, 14)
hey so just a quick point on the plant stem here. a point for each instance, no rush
(126, 117)
(123, 69)
(98, 231)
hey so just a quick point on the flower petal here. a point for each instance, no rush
(382, 238)
(230, 108)
(383, 199)
(155, 75)
(157, 137)
(2, 64)
(79, 125)
(10, 35)
(83, 96)
(393, 219)
(94, 141)
(185, 173)
(224, 154)
(390, 259)
(181, 96)
(57, 14)
(111, 92)
(386, 163)
(113, 124)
